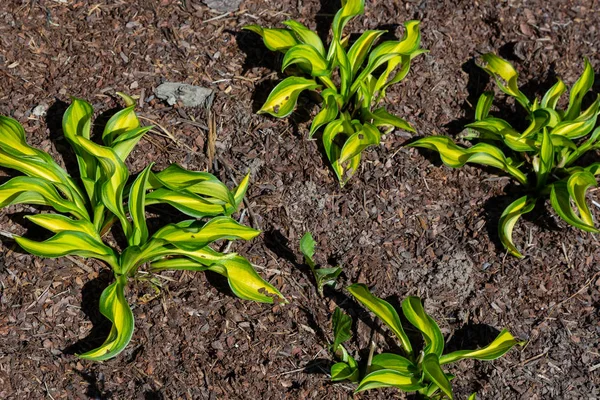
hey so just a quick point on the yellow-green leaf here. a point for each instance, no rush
(275, 39)
(350, 9)
(506, 77)
(383, 310)
(509, 218)
(577, 185)
(114, 306)
(307, 56)
(123, 121)
(546, 163)
(560, 199)
(553, 95)
(502, 344)
(483, 105)
(416, 315)
(360, 49)
(137, 208)
(579, 90)
(328, 113)
(394, 362)
(283, 98)
(306, 36)
(389, 378)
(59, 223)
(369, 135)
(433, 372)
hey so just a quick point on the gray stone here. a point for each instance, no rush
(223, 5)
(188, 95)
(40, 110)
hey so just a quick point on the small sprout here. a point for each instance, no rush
(323, 276)
(85, 213)
(542, 158)
(410, 371)
(351, 79)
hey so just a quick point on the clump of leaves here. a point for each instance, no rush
(410, 371)
(323, 276)
(351, 92)
(542, 157)
(85, 213)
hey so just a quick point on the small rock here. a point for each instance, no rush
(189, 95)
(134, 85)
(40, 110)
(223, 5)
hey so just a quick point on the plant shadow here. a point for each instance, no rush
(90, 305)
(95, 389)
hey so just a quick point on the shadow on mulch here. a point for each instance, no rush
(90, 305)
(95, 382)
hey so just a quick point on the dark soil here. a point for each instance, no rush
(405, 225)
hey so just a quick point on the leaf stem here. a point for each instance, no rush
(328, 82)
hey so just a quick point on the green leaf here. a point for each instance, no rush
(433, 372)
(506, 77)
(482, 153)
(13, 140)
(114, 306)
(579, 90)
(342, 371)
(137, 207)
(59, 223)
(389, 378)
(114, 178)
(306, 36)
(194, 235)
(70, 242)
(123, 121)
(381, 118)
(328, 113)
(37, 191)
(483, 105)
(539, 119)
(334, 130)
(307, 56)
(124, 144)
(509, 218)
(350, 9)
(416, 315)
(383, 310)
(502, 344)
(360, 49)
(546, 162)
(553, 95)
(582, 125)
(342, 324)
(274, 39)
(367, 136)
(307, 247)
(283, 98)
(394, 362)
(326, 276)
(560, 198)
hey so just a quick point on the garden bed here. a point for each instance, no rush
(404, 225)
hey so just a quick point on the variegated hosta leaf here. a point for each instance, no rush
(575, 187)
(114, 306)
(540, 119)
(306, 36)
(59, 223)
(343, 371)
(383, 310)
(382, 118)
(579, 90)
(243, 279)
(125, 142)
(342, 60)
(360, 49)
(580, 126)
(308, 57)
(433, 373)
(114, 178)
(349, 10)
(369, 135)
(194, 235)
(506, 77)
(37, 191)
(384, 81)
(283, 98)
(389, 378)
(416, 315)
(509, 218)
(328, 113)
(482, 153)
(275, 39)
(552, 96)
(500, 346)
(123, 121)
(546, 159)
(76, 124)
(483, 106)
(338, 127)
(70, 242)
(137, 208)
(394, 362)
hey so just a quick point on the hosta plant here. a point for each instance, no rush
(323, 276)
(351, 79)
(83, 211)
(411, 371)
(545, 157)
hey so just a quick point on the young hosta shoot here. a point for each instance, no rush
(352, 81)
(410, 371)
(543, 157)
(323, 276)
(84, 214)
